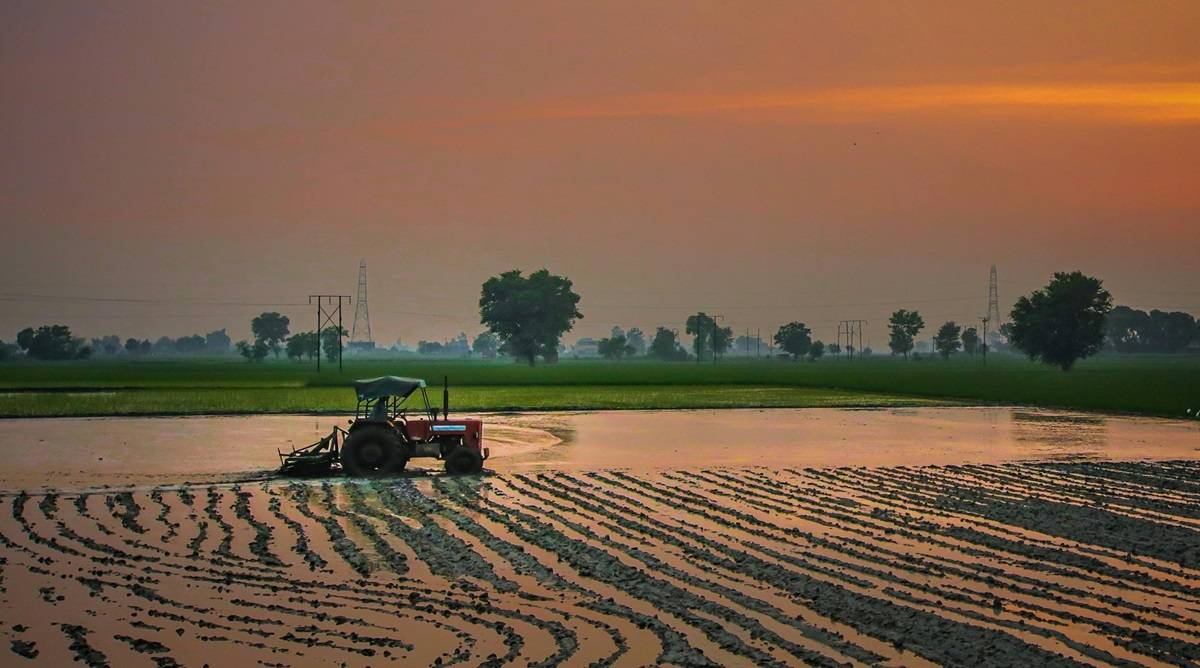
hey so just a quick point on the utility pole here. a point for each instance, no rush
(329, 308)
(758, 343)
(852, 329)
(714, 336)
(984, 320)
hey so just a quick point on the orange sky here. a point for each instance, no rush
(766, 161)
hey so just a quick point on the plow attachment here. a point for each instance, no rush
(313, 460)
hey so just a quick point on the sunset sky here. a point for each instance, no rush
(172, 167)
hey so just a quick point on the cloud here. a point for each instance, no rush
(1127, 103)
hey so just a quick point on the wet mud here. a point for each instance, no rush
(1017, 564)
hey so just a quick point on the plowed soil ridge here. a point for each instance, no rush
(1050, 564)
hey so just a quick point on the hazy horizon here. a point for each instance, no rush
(208, 162)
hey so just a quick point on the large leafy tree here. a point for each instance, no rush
(51, 342)
(1063, 322)
(665, 346)
(485, 345)
(529, 314)
(135, 347)
(709, 338)
(253, 352)
(218, 341)
(948, 339)
(637, 339)
(331, 341)
(970, 341)
(701, 327)
(270, 328)
(815, 351)
(1129, 330)
(614, 347)
(303, 344)
(903, 327)
(190, 344)
(794, 338)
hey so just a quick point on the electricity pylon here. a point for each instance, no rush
(362, 317)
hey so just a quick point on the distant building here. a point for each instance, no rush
(586, 347)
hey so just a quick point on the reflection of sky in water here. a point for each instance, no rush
(1060, 436)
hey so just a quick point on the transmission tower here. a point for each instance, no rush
(362, 317)
(993, 312)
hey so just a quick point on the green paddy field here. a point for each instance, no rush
(1135, 384)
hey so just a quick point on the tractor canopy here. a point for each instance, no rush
(386, 386)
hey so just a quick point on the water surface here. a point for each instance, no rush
(122, 451)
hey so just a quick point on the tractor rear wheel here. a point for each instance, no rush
(463, 460)
(373, 451)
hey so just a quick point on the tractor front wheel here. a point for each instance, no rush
(373, 451)
(463, 460)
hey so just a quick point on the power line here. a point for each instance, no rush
(11, 297)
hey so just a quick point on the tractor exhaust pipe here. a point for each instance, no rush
(445, 397)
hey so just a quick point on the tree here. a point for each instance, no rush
(135, 347)
(255, 352)
(947, 340)
(217, 341)
(430, 347)
(665, 346)
(636, 339)
(708, 337)
(795, 339)
(970, 341)
(722, 339)
(163, 345)
(700, 326)
(529, 314)
(52, 342)
(301, 345)
(1126, 329)
(903, 327)
(331, 341)
(815, 350)
(834, 349)
(1062, 322)
(485, 345)
(190, 344)
(1171, 332)
(1129, 330)
(270, 328)
(106, 345)
(614, 347)
(458, 346)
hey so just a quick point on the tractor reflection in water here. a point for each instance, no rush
(382, 437)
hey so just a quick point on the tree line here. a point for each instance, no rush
(56, 342)
(1071, 318)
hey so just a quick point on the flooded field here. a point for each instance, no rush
(82, 452)
(990, 536)
(1050, 564)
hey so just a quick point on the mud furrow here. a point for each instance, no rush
(1025, 564)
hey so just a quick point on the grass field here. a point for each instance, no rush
(1150, 385)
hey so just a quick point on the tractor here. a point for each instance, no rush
(382, 437)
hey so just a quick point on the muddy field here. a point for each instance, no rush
(78, 453)
(1013, 564)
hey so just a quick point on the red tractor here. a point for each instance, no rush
(382, 437)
